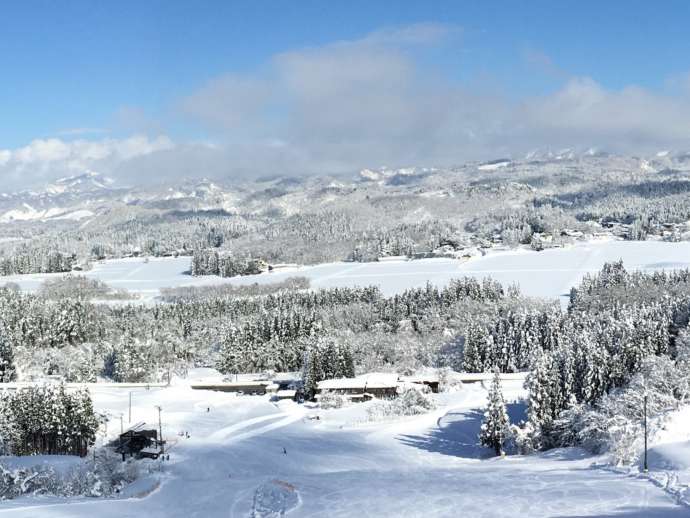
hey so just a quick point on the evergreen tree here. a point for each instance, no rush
(495, 428)
(132, 361)
(7, 370)
(325, 359)
(312, 372)
(477, 350)
(48, 420)
(542, 384)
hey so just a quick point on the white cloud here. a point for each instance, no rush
(364, 103)
(230, 102)
(46, 159)
(632, 119)
(48, 150)
(368, 102)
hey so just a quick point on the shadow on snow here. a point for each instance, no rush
(457, 433)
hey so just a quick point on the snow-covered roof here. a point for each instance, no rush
(370, 380)
(421, 378)
(485, 376)
(406, 385)
(136, 427)
(248, 383)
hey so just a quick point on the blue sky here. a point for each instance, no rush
(94, 71)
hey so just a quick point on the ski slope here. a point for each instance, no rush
(550, 273)
(338, 466)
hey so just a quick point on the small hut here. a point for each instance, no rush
(140, 442)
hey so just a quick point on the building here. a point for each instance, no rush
(427, 380)
(251, 388)
(140, 442)
(362, 388)
(289, 387)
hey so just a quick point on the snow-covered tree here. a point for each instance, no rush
(48, 419)
(476, 350)
(7, 369)
(542, 384)
(132, 360)
(325, 359)
(495, 428)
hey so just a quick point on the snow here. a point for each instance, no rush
(550, 273)
(28, 213)
(493, 166)
(369, 380)
(60, 463)
(31, 214)
(553, 272)
(75, 215)
(248, 455)
(671, 444)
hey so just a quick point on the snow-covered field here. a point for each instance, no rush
(337, 466)
(550, 273)
(341, 465)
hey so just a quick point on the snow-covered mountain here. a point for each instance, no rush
(91, 194)
(71, 198)
(86, 182)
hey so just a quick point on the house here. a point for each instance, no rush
(241, 387)
(282, 266)
(140, 442)
(362, 388)
(428, 380)
(392, 258)
(283, 394)
(572, 233)
(285, 388)
(601, 235)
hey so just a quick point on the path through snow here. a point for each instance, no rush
(426, 466)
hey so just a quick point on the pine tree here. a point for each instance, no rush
(7, 370)
(477, 349)
(496, 425)
(325, 359)
(542, 385)
(132, 360)
(311, 372)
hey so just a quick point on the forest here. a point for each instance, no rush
(618, 326)
(318, 220)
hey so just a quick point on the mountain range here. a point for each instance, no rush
(88, 195)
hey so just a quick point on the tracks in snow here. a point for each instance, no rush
(246, 429)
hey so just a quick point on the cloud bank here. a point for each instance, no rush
(43, 160)
(366, 103)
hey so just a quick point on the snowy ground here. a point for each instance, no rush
(550, 273)
(340, 466)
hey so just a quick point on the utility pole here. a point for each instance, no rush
(645, 431)
(130, 408)
(122, 430)
(160, 427)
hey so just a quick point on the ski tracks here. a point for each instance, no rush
(246, 429)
